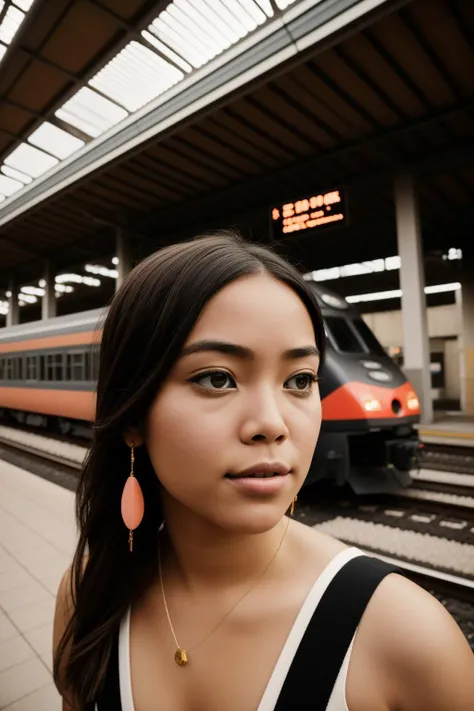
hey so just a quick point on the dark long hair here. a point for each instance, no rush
(146, 327)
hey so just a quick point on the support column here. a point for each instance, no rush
(124, 255)
(466, 336)
(13, 316)
(48, 303)
(412, 282)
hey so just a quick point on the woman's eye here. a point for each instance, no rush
(217, 380)
(303, 382)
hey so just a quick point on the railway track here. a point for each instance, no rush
(45, 457)
(448, 458)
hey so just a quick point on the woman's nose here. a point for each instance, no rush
(265, 421)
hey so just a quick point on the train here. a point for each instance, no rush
(368, 438)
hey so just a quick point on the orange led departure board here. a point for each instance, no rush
(314, 212)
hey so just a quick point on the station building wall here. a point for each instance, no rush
(444, 328)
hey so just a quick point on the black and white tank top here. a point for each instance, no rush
(312, 668)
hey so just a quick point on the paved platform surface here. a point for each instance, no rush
(450, 428)
(37, 541)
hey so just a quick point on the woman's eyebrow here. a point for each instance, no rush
(242, 351)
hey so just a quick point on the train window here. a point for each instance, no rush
(75, 366)
(368, 337)
(87, 365)
(2, 368)
(342, 335)
(31, 367)
(19, 368)
(92, 363)
(49, 367)
(9, 371)
(58, 366)
(78, 366)
(95, 363)
(42, 368)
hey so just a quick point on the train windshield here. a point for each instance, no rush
(369, 338)
(342, 336)
(352, 336)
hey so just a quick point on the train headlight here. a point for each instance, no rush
(372, 405)
(412, 401)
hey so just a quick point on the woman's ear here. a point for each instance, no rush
(131, 435)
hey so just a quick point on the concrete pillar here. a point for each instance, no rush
(466, 336)
(13, 316)
(412, 282)
(48, 302)
(124, 255)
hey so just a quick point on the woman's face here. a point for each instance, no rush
(239, 396)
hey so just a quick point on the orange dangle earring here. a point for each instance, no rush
(133, 504)
(292, 508)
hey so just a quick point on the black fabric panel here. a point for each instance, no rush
(109, 696)
(317, 662)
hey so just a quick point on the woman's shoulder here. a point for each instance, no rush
(404, 638)
(311, 544)
(412, 637)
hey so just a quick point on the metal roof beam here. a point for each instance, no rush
(19, 246)
(244, 63)
(459, 153)
(145, 15)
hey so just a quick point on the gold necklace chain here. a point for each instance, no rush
(181, 656)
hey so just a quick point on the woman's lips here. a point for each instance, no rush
(256, 485)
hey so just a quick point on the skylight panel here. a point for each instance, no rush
(255, 11)
(196, 34)
(24, 4)
(176, 42)
(283, 4)
(171, 30)
(164, 49)
(228, 17)
(16, 174)
(205, 46)
(136, 76)
(11, 22)
(30, 160)
(91, 112)
(207, 36)
(266, 6)
(55, 141)
(248, 12)
(205, 16)
(236, 8)
(8, 186)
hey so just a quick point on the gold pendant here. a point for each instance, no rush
(180, 657)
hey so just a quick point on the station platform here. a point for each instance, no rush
(449, 428)
(37, 541)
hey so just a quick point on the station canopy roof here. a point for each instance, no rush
(164, 118)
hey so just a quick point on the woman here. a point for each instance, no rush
(213, 599)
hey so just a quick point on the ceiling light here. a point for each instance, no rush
(32, 290)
